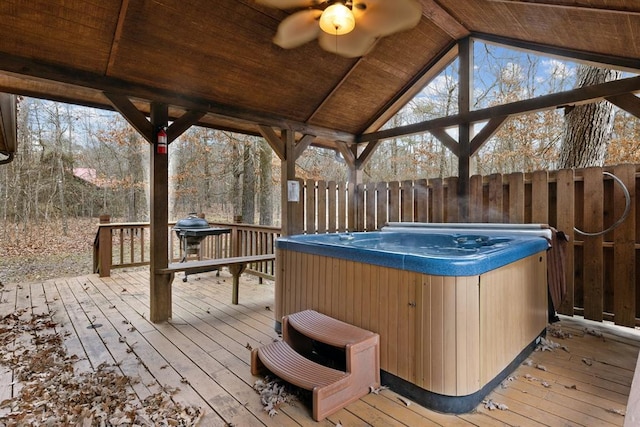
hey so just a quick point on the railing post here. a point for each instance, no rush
(104, 246)
(235, 237)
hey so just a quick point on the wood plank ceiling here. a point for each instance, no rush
(217, 56)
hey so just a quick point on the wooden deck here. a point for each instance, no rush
(205, 352)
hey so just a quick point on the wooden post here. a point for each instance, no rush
(464, 129)
(105, 249)
(355, 216)
(290, 221)
(160, 292)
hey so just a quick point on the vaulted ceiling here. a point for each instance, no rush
(217, 57)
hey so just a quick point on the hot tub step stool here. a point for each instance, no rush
(332, 389)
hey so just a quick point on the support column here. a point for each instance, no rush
(160, 291)
(290, 221)
(465, 94)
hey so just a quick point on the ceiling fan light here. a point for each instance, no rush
(337, 19)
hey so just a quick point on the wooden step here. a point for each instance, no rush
(332, 389)
(283, 361)
(327, 330)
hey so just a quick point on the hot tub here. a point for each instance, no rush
(457, 307)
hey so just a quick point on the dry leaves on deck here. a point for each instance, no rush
(51, 393)
(274, 393)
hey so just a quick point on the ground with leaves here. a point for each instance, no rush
(39, 251)
(49, 391)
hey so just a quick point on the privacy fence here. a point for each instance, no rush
(595, 207)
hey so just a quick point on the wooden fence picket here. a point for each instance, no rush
(437, 200)
(421, 200)
(476, 198)
(565, 211)
(332, 209)
(370, 207)
(624, 251)
(406, 206)
(383, 201)
(515, 181)
(322, 206)
(494, 208)
(592, 262)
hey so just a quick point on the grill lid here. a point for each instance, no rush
(191, 222)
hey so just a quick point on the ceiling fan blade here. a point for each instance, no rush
(298, 29)
(356, 43)
(289, 4)
(382, 17)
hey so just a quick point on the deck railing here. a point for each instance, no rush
(122, 245)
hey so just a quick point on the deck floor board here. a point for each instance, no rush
(204, 351)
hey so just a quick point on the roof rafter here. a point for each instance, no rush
(572, 97)
(598, 59)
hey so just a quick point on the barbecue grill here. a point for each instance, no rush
(191, 231)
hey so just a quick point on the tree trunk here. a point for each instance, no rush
(248, 183)
(587, 129)
(236, 187)
(265, 195)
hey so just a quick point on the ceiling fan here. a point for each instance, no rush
(348, 28)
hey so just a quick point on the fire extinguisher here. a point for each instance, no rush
(162, 141)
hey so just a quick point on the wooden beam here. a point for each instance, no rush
(366, 154)
(571, 7)
(413, 87)
(302, 145)
(446, 140)
(444, 20)
(137, 119)
(598, 59)
(274, 140)
(486, 132)
(545, 102)
(184, 122)
(334, 89)
(347, 154)
(80, 78)
(115, 43)
(628, 102)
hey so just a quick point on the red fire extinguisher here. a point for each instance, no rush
(162, 141)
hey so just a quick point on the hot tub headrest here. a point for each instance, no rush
(542, 230)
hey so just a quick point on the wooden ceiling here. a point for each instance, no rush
(216, 57)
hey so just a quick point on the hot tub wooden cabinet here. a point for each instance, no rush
(446, 339)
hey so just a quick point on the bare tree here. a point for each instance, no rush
(248, 181)
(265, 194)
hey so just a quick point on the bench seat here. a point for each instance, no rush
(236, 266)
